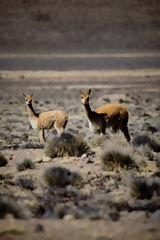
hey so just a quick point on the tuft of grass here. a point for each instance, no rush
(157, 159)
(26, 182)
(146, 151)
(31, 146)
(25, 136)
(144, 189)
(97, 141)
(144, 139)
(3, 160)
(13, 231)
(65, 145)
(10, 205)
(58, 176)
(26, 164)
(113, 159)
(115, 156)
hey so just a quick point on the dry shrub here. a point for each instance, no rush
(157, 159)
(65, 145)
(151, 140)
(97, 141)
(144, 189)
(26, 182)
(146, 151)
(58, 176)
(32, 146)
(12, 206)
(3, 160)
(116, 155)
(26, 164)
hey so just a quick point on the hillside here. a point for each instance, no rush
(60, 25)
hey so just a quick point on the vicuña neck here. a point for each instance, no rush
(88, 109)
(31, 111)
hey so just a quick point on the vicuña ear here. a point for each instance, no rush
(89, 91)
(24, 95)
(80, 91)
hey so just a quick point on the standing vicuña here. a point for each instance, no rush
(45, 120)
(106, 116)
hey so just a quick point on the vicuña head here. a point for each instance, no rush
(85, 96)
(45, 120)
(106, 116)
(28, 99)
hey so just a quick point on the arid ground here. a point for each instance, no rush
(105, 205)
(80, 185)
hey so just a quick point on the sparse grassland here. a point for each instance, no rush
(88, 176)
(80, 177)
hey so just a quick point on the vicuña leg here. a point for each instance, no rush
(125, 132)
(42, 136)
(59, 129)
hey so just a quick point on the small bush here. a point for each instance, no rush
(115, 156)
(143, 189)
(146, 151)
(65, 145)
(151, 141)
(26, 164)
(57, 176)
(7, 178)
(32, 146)
(3, 161)
(97, 141)
(156, 174)
(116, 159)
(157, 159)
(25, 182)
(8, 205)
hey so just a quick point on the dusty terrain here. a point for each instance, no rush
(103, 206)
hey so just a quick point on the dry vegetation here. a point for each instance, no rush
(115, 155)
(80, 175)
(130, 168)
(3, 160)
(66, 145)
(26, 164)
(145, 189)
(57, 176)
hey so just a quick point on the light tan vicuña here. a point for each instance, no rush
(46, 120)
(106, 116)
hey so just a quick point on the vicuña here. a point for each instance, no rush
(106, 116)
(45, 120)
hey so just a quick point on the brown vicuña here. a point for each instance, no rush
(45, 120)
(106, 116)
